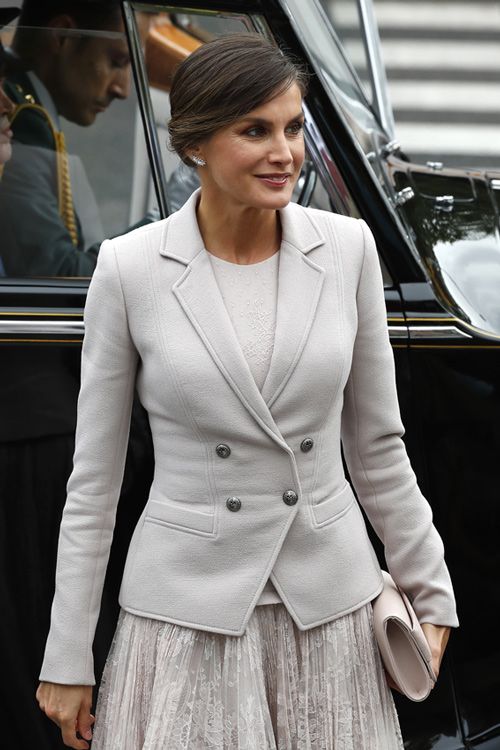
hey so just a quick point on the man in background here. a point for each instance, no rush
(76, 62)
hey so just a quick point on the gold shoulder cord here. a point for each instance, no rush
(66, 207)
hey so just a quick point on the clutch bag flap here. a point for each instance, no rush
(403, 646)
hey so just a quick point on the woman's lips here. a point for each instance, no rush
(276, 180)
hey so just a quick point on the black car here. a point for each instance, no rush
(437, 231)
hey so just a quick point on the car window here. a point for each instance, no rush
(346, 21)
(68, 183)
(171, 37)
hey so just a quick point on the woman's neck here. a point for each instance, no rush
(239, 234)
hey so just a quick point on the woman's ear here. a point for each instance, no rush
(198, 160)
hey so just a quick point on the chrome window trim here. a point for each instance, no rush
(332, 179)
(146, 108)
(437, 332)
(376, 69)
(77, 327)
(398, 332)
(37, 327)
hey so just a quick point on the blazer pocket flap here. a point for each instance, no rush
(180, 515)
(333, 507)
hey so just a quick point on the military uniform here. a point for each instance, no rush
(42, 235)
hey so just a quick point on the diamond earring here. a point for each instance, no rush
(198, 160)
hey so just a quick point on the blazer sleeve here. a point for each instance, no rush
(376, 457)
(108, 372)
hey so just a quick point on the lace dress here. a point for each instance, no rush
(170, 687)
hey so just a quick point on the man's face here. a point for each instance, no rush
(91, 71)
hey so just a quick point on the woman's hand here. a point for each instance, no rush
(437, 638)
(69, 707)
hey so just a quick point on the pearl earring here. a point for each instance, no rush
(198, 160)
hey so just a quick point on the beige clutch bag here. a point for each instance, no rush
(404, 649)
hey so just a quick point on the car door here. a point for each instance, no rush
(450, 219)
(47, 257)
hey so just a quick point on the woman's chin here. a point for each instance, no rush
(272, 201)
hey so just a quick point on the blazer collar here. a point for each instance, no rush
(182, 240)
(299, 289)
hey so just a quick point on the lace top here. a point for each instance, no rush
(250, 294)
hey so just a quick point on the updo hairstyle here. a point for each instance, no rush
(223, 80)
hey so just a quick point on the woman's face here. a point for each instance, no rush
(6, 107)
(256, 160)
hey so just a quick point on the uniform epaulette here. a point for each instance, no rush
(65, 196)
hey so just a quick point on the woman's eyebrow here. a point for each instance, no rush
(263, 121)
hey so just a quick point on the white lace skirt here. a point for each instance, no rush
(169, 687)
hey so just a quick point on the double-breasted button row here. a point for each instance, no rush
(223, 450)
(289, 497)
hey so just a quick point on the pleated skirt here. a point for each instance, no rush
(170, 687)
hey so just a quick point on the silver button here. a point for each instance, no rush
(306, 444)
(233, 503)
(290, 497)
(223, 450)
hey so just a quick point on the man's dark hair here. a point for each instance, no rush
(87, 14)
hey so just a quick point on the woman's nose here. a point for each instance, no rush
(280, 150)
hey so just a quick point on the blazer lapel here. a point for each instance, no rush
(199, 295)
(299, 287)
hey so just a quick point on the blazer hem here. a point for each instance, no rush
(242, 630)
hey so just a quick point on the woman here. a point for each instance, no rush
(250, 386)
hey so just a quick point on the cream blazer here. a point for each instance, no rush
(216, 527)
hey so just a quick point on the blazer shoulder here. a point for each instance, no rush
(330, 221)
(337, 222)
(146, 238)
(344, 234)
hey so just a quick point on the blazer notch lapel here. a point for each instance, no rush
(299, 289)
(198, 294)
(181, 239)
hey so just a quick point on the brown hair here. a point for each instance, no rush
(222, 81)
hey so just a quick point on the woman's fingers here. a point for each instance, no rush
(84, 722)
(68, 727)
(68, 706)
(391, 682)
(437, 637)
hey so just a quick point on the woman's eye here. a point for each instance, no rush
(259, 131)
(255, 131)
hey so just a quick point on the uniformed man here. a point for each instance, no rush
(67, 72)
